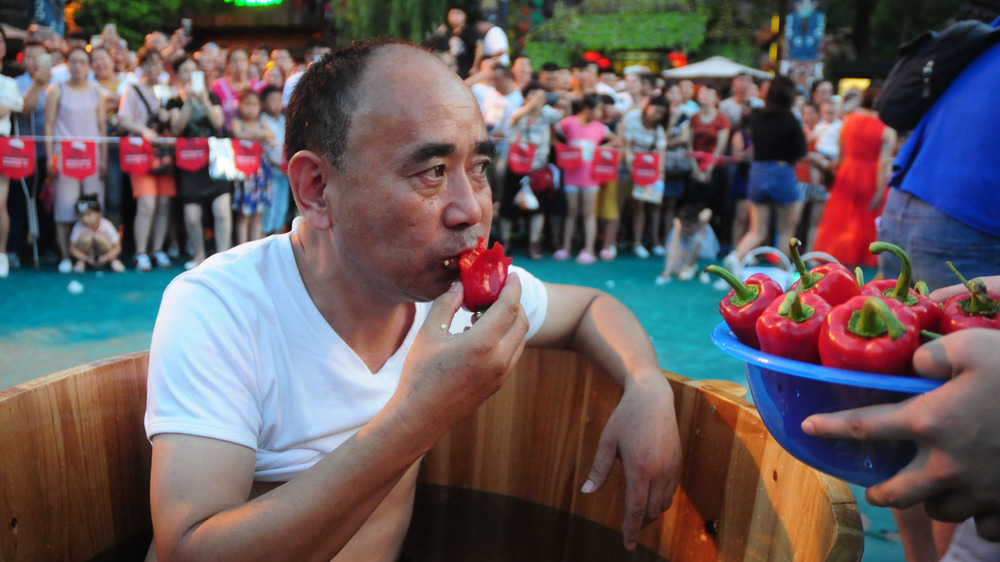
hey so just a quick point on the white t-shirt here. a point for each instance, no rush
(105, 227)
(827, 136)
(638, 137)
(240, 353)
(494, 42)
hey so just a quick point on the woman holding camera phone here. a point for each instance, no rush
(196, 113)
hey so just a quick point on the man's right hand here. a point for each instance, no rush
(446, 376)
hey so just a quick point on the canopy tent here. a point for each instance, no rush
(714, 67)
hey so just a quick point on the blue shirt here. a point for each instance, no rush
(957, 168)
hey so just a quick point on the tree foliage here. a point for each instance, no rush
(413, 20)
(875, 28)
(645, 26)
(134, 19)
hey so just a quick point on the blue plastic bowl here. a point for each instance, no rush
(788, 391)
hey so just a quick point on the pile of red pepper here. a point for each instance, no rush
(832, 317)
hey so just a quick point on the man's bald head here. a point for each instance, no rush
(337, 88)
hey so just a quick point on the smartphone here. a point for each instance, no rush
(198, 81)
(45, 61)
(551, 98)
(186, 26)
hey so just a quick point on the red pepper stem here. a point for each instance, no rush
(905, 279)
(794, 309)
(875, 319)
(959, 275)
(745, 293)
(859, 274)
(922, 289)
(806, 279)
(929, 335)
(980, 303)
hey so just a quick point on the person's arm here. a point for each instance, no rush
(955, 427)
(642, 431)
(478, 53)
(39, 84)
(537, 99)
(111, 255)
(200, 486)
(51, 110)
(102, 126)
(885, 158)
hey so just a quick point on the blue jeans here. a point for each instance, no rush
(932, 238)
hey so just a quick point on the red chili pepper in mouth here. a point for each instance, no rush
(745, 303)
(483, 274)
(927, 311)
(871, 334)
(979, 309)
(831, 281)
(789, 326)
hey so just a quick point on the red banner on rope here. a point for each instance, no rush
(136, 155)
(605, 165)
(79, 158)
(521, 157)
(247, 156)
(568, 157)
(17, 157)
(191, 154)
(646, 168)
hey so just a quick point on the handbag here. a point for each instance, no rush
(925, 67)
(163, 153)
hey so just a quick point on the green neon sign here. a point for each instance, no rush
(254, 3)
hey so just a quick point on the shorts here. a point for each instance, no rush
(607, 202)
(813, 192)
(772, 181)
(146, 185)
(578, 188)
(66, 190)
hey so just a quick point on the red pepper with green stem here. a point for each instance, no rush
(870, 334)
(927, 311)
(831, 281)
(745, 302)
(979, 309)
(789, 327)
(483, 274)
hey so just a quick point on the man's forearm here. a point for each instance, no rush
(312, 516)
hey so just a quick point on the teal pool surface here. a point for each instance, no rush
(46, 328)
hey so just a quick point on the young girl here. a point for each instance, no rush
(690, 238)
(584, 131)
(251, 195)
(94, 240)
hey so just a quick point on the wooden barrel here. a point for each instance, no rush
(74, 462)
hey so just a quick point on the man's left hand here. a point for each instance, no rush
(642, 431)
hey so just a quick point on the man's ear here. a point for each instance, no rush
(309, 176)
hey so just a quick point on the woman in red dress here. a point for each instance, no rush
(859, 187)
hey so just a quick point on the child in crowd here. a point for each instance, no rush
(584, 131)
(94, 241)
(690, 238)
(276, 212)
(251, 197)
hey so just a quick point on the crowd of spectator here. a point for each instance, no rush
(700, 145)
(96, 89)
